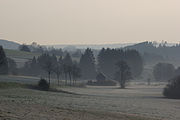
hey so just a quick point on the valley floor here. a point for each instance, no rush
(137, 102)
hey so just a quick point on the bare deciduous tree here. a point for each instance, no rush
(123, 74)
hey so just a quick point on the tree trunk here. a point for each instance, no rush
(73, 80)
(122, 81)
(49, 75)
(58, 78)
(65, 78)
(122, 85)
(70, 78)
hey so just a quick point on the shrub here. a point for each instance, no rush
(43, 85)
(172, 90)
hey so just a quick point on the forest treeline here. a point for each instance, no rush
(87, 64)
(106, 66)
(66, 67)
(154, 52)
(108, 58)
(151, 52)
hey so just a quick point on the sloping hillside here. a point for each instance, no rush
(9, 44)
(20, 56)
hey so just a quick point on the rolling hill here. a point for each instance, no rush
(20, 57)
(9, 44)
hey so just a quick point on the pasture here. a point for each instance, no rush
(20, 57)
(137, 102)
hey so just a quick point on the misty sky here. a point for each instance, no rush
(89, 21)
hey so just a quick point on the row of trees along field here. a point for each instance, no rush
(165, 71)
(115, 64)
(51, 65)
(63, 66)
(120, 65)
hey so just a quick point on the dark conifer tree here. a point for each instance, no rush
(134, 61)
(3, 62)
(163, 71)
(108, 58)
(87, 65)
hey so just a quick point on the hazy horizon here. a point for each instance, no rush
(89, 21)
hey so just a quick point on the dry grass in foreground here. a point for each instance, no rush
(18, 111)
(18, 102)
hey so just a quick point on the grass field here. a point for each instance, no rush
(20, 56)
(137, 102)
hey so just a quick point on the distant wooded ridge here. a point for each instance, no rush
(14, 45)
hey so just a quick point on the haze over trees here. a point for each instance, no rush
(86, 68)
(83, 60)
(62, 65)
(106, 65)
(157, 52)
(163, 71)
(108, 58)
(51, 66)
(12, 67)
